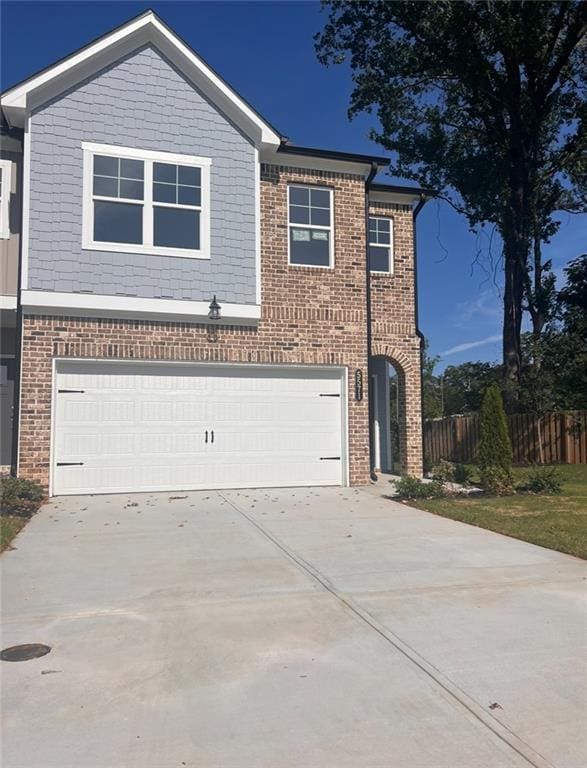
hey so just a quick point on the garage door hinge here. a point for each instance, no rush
(328, 395)
(80, 391)
(329, 458)
(70, 463)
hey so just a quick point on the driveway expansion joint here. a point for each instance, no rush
(502, 732)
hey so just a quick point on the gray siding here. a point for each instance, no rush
(141, 102)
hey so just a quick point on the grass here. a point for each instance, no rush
(557, 522)
(9, 527)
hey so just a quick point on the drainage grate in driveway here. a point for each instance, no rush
(24, 652)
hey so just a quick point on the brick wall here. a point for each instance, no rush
(393, 313)
(309, 315)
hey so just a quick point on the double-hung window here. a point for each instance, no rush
(380, 244)
(5, 189)
(310, 226)
(138, 201)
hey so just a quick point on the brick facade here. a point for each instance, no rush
(309, 315)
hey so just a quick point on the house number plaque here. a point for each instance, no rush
(358, 384)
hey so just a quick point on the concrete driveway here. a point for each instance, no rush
(318, 628)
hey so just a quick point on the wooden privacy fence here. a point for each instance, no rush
(554, 438)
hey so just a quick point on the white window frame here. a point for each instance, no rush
(149, 157)
(6, 166)
(322, 227)
(381, 245)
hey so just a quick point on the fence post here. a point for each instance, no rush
(566, 438)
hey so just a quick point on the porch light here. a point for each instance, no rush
(214, 313)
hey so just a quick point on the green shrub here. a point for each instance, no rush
(20, 497)
(444, 471)
(495, 448)
(413, 488)
(543, 480)
(463, 474)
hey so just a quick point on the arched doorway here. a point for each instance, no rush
(397, 420)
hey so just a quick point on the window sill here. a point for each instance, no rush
(145, 250)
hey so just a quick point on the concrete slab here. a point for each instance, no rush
(318, 627)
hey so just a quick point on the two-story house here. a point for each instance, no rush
(189, 300)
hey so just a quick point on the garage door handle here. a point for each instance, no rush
(212, 436)
(71, 391)
(329, 458)
(206, 435)
(70, 463)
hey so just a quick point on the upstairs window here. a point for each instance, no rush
(310, 226)
(5, 189)
(380, 244)
(137, 201)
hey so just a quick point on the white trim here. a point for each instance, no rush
(147, 28)
(148, 157)
(26, 204)
(94, 305)
(389, 247)
(116, 150)
(257, 228)
(6, 194)
(7, 302)
(341, 370)
(319, 227)
(397, 198)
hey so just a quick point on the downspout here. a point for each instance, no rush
(421, 203)
(368, 182)
(18, 319)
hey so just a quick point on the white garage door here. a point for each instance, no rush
(153, 427)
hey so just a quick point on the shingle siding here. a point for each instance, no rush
(141, 102)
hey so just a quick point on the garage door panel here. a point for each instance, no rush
(143, 427)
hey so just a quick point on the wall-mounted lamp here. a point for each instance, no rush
(214, 313)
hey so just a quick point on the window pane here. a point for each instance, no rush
(165, 172)
(299, 215)
(177, 228)
(320, 216)
(103, 185)
(320, 197)
(131, 189)
(188, 196)
(309, 247)
(164, 193)
(131, 169)
(106, 166)
(372, 223)
(189, 176)
(379, 259)
(299, 195)
(383, 225)
(118, 222)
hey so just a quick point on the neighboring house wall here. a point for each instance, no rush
(394, 332)
(141, 102)
(11, 149)
(309, 316)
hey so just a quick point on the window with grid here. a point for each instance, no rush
(380, 244)
(147, 202)
(310, 226)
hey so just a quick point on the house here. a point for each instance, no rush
(155, 198)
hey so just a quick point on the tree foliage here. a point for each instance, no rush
(483, 102)
(495, 448)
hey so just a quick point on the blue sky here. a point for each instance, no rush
(265, 50)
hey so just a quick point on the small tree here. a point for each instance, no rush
(495, 448)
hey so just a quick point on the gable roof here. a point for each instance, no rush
(105, 50)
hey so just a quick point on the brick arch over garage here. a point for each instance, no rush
(407, 364)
